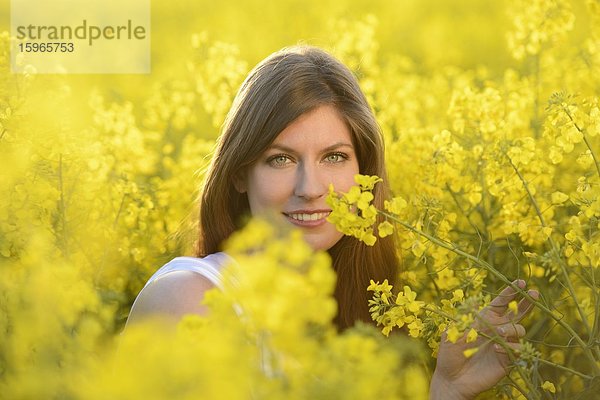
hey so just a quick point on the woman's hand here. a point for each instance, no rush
(459, 377)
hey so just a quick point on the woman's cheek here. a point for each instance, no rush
(343, 181)
(268, 188)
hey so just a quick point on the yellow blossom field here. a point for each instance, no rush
(491, 116)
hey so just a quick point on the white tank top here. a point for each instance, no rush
(209, 267)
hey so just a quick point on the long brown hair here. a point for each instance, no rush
(278, 90)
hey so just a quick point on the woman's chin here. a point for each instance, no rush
(322, 241)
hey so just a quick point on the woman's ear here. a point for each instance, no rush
(239, 182)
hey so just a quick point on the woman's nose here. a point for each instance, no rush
(310, 182)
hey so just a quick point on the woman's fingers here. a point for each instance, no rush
(500, 302)
(505, 347)
(524, 306)
(511, 332)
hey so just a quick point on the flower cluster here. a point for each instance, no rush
(395, 310)
(273, 322)
(455, 316)
(537, 25)
(353, 212)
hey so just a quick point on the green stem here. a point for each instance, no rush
(536, 105)
(521, 390)
(467, 216)
(587, 143)
(114, 225)
(501, 277)
(593, 154)
(566, 369)
(62, 208)
(594, 341)
(553, 245)
(100, 269)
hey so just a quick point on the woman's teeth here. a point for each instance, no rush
(308, 217)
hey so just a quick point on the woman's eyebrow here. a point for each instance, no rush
(280, 147)
(337, 146)
(334, 146)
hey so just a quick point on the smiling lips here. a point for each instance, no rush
(308, 218)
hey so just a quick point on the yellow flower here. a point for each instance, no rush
(353, 194)
(396, 205)
(408, 298)
(385, 229)
(585, 159)
(571, 236)
(453, 334)
(569, 251)
(367, 182)
(368, 238)
(513, 307)
(474, 197)
(559, 197)
(415, 328)
(471, 336)
(549, 387)
(364, 200)
(546, 231)
(418, 248)
(470, 352)
(457, 295)
(555, 155)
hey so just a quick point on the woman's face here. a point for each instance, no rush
(293, 175)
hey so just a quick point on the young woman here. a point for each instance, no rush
(299, 123)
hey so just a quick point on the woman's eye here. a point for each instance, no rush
(279, 160)
(336, 157)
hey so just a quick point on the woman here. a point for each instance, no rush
(299, 123)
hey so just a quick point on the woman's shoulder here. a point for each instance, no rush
(209, 267)
(178, 288)
(172, 296)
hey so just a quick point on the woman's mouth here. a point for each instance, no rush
(307, 218)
